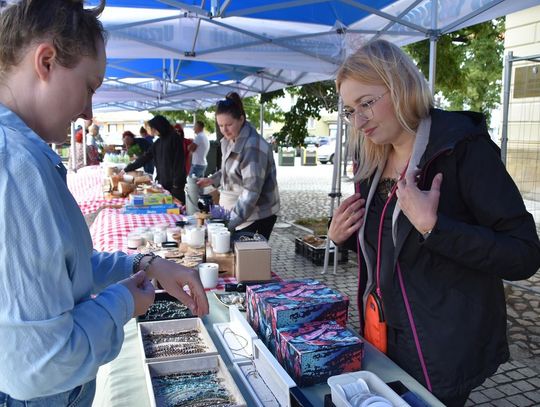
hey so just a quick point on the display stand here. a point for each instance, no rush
(121, 383)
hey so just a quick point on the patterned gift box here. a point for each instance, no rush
(284, 303)
(313, 352)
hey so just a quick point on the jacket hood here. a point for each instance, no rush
(161, 124)
(450, 128)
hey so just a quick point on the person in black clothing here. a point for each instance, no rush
(438, 221)
(168, 155)
(137, 147)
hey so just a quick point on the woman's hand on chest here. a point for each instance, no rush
(419, 206)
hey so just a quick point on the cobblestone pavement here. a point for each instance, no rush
(304, 193)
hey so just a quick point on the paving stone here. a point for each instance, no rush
(478, 397)
(533, 395)
(502, 403)
(493, 393)
(515, 375)
(523, 385)
(489, 383)
(535, 381)
(508, 389)
(500, 379)
(520, 401)
(519, 336)
(527, 372)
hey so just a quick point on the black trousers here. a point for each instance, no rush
(455, 401)
(262, 226)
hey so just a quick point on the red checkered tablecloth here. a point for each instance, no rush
(110, 229)
(87, 183)
(93, 205)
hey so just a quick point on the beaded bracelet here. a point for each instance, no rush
(137, 261)
(154, 256)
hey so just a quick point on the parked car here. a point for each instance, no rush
(325, 153)
(308, 141)
(323, 140)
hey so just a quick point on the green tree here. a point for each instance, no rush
(469, 65)
(252, 107)
(272, 113)
(310, 100)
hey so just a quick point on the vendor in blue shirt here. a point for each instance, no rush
(54, 334)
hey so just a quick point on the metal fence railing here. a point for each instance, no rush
(520, 141)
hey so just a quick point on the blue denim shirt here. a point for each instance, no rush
(53, 334)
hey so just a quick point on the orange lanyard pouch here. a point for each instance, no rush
(375, 324)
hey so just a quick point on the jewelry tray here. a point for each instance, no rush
(239, 344)
(196, 364)
(162, 295)
(270, 374)
(176, 325)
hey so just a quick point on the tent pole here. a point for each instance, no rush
(261, 112)
(508, 61)
(336, 187)
(73, 158)
(261, 118)
(85, 158)
(433, 45)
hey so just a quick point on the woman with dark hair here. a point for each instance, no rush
(168, 155)
(136, 147)
(64, 305)
(437, 222)
(248, 172)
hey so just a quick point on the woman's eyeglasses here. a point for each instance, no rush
(363, 110)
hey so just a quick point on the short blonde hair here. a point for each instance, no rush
(383, 63)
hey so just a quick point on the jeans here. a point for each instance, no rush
(81, 396)
(197, 169)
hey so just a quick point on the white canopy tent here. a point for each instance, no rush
(256, 46)
(199, 50)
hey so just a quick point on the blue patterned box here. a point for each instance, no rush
(311, 353)
(284, 303)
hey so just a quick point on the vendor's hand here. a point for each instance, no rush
(420, 207)
(204, 182)
(142, 291)
(348, 218)
(173, 277)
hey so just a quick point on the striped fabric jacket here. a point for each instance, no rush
(248, 168)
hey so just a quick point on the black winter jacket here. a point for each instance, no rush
(453, 279)
(168, 155)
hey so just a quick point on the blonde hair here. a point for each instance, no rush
(383, 63)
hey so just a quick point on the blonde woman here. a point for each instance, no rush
(437, 222)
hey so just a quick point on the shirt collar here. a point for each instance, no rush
(9, 119)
